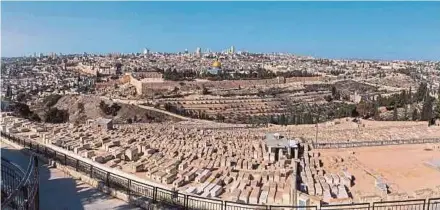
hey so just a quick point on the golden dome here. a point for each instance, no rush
(216, 64)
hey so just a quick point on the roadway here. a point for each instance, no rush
(60, 192)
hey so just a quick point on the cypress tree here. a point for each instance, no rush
(415, 115)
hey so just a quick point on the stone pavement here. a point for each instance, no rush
(60, 192)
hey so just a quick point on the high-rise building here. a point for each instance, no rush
(198, 51)
(146, 51)
(232, 50)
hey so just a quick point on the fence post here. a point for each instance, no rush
(155, 194)
(26, 197)
(91, 171)
(77, 164)
(55, 156)
(37, 194)
(128, 187)
(108, 179)
(224, 206)
(185, 201)
(65, 159)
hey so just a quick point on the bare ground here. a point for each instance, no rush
(403, 167)
(91, 110)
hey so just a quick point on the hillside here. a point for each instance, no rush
(81, 108)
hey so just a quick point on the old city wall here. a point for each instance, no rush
(136, 83)
(302, 79)
(87, 69)
(143, 87)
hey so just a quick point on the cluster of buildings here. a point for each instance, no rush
(238, 164)
(31, 78)
(60, 72)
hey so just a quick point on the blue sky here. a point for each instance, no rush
(372, 30)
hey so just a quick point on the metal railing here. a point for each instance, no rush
(140, 191)
(20, 189)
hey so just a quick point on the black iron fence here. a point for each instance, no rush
(19, 189)
(148, 193)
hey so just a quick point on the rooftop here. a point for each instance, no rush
(276, 140)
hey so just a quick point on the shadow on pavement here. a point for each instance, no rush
(60, 192)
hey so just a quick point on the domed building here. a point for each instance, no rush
(217, 64)
(215, 69)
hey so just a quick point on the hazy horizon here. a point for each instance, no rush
(334, 30)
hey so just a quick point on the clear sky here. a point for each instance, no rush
(371, 30)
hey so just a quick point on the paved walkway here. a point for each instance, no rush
(60, 192)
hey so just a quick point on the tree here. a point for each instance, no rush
(333, 91)
(204, 90)
(395, 116)
(273, 120)
(109, 110)
(405, 115)
(22, 110)
(21, 97)
(427, 109)
(80, 106)
(135, 119)
(415, 115)
(51, 100)
(220, 117)
(8, 92)
(282, 120)
(292, 120)
(376, 114)
(54, 115)
(34, 117)
(438, 93)
(365, 109)
(328, 98)
(437, 105)
(437, 109)
(421, 92)
(403, 98)
(118, 68)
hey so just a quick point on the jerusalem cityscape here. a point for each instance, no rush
(228, 128)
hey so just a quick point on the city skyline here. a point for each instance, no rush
(341, 30)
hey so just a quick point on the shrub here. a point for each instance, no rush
(54, 115)
(51, 100)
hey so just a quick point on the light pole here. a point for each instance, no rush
(294, 194)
